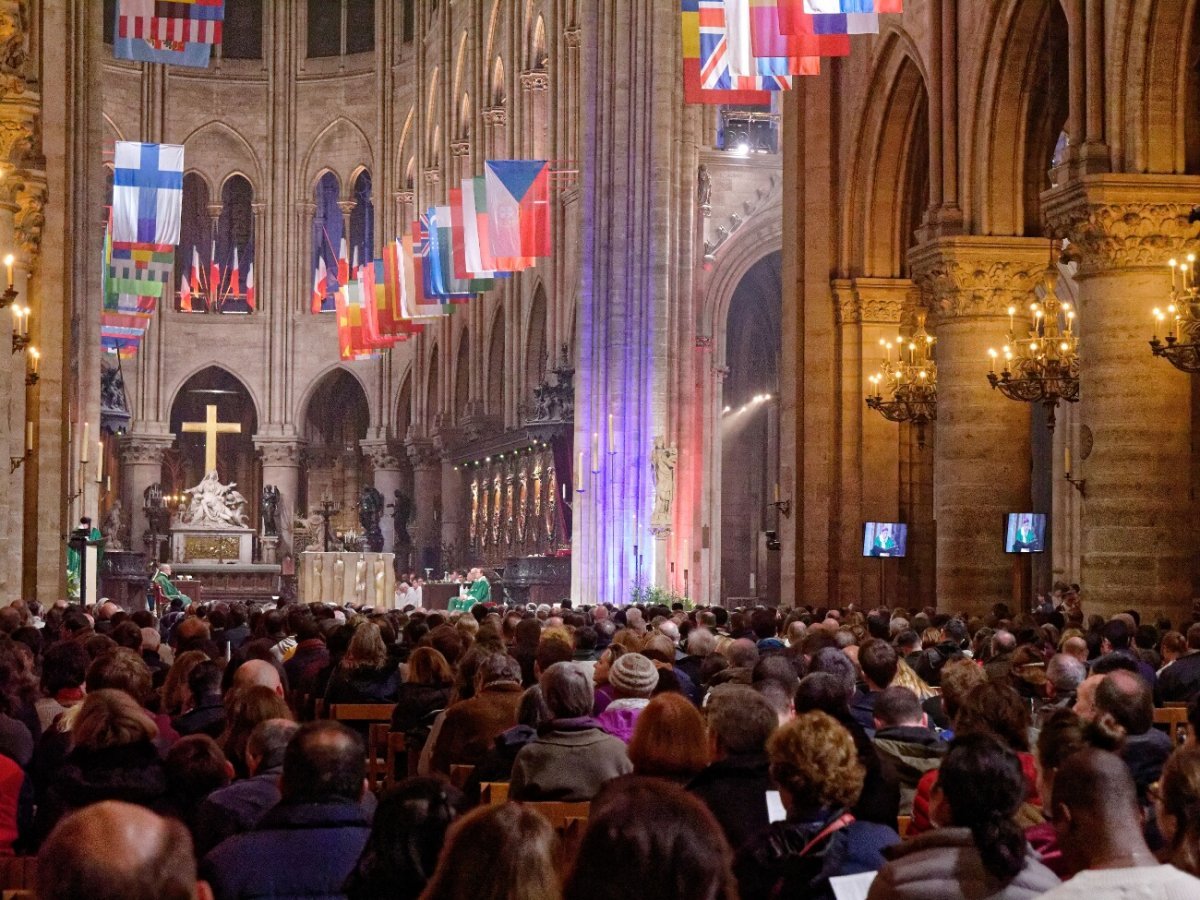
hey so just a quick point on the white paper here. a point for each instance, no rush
(775, 810)
(852, 887)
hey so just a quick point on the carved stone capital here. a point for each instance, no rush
(144, 449)
(495, 115)
(978, 277)
(460, 148)
(30, 217)
(535, 80)
(384, 455)
(347, 206)
(423, 455)
(1124, 221)
(18, 127)
(446, 439)
(433, 176)
(280, 451)
(573, 37)
(874, 301)
(306, 209)
(408, 197)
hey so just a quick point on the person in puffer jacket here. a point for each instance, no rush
(904, 741)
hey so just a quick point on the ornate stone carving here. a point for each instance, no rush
(144, 449)
(978, 277)
(704, 191)
(433, 176)
(535, 80)
(214, 504)
(879, 301)
(280, 453)
(495, 115)
(384, 455)
(460, 148)
(1123, 221)
(572, 36)
(30, 217)
(423, 455)
(408, 197)
(18, 124)
(704, 342)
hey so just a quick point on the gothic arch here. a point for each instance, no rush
(881, 206)
(402, 146)
(319, 376)
(535, 340)
(404, 405)
(462, 374)
(341, 147)
(117, 133)
(496, 364)
(182, 382)
(324, 170)
(433, 386)
(499, 92)
(998, 163)
(222, 152)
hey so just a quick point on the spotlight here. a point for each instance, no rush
(727, 410)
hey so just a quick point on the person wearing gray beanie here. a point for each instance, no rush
(633, 678)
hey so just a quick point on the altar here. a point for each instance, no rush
(361, 579)
(200, 544)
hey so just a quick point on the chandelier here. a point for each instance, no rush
(1043, 366)
(1180, 344)
(905, 390)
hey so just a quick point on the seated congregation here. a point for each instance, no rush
(598, 753)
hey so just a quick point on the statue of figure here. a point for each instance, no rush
(114, 527)
(663, 460)
(370, 511)
(522, 505)
(360, 580)
(381, 598)
(401, 513)
(215, 504)
(473, 522)
(270, 510)
(704, 190)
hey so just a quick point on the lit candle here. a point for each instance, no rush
(992, 360)
(29, 437)
(579, 474)
(1012, 311)
(1067, 460)
(8, 265)
(99, 462)
(34, 359)
(83, 445)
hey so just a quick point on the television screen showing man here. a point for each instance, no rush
(884, 539)
(1025, 533)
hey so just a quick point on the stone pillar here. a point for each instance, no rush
(982, 455)
(141, 466)
(453, 512)
(1135, 407)
(385, 460)
(281, 458)
(427, 501)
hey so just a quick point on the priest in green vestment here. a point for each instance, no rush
(162, 577)
(480, 591)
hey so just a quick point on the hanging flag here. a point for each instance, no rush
(343, 264)
(185, 294)
(180, 33)
(250, 286)
(706, 71)
(197, 286)
(476, 241)
(768, 39)
(418, 248)
(826, 7)
(235, 279)
(214, 279)
(147, 192)
(463, 288)
(350, 322)
(320, 289)
(518, 202)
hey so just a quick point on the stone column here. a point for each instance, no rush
(281, 458)
(385, 460)
(982, 455)
(141, 466)
(427, 501)
(451, 534)
(1134, 408)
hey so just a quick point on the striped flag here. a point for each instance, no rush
(173, 32)
(250, 300)
(185, 294)
(476, 240)
(699, 50)
(319, 286)
(768, 39)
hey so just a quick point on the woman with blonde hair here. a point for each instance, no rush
(669, 740)
(365, 674)
(506, 852)
(907, 677)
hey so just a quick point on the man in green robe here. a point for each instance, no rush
(480, 591)
(162, 579)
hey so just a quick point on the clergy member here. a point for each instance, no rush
(479, 592)
(162, 577)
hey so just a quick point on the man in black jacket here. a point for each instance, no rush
(735, 785)
(1180, 681)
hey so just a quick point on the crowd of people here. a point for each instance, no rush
(756, 753)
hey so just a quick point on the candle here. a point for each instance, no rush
(1172, 264)
(8, 265)
(1067, 460)
(777, 492)
(99, 462)
(29, 437)
(579, 474)
(1012, 311)
(108, 483)
(34, 359)
(612, 437)
(83, 445)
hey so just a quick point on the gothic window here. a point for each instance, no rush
(242, 34)
(410, 15)
(362, 220)
(327, 233)
(337, 27)
(195, 243)
(235, 247)
(110, 20)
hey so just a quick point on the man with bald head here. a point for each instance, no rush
(1077, 647)
(258, 672)
(117, 851)
(1125, 699)
(1098, 821)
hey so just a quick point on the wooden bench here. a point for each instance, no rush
(902, 825)
(377, 755)
(493, 793)
(1175, 718)
(361, 712)
(460, 775)
(559, 814)
(18, 873)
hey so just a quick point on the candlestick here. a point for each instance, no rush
(83, 445)
(29, 437)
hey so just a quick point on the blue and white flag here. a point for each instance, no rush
(147, 193)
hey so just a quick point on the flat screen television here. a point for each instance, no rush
(885, 539)
(1025, 533)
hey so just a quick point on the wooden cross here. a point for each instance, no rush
(210, 428)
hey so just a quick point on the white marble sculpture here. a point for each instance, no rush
(215, 505)
(663, 460)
